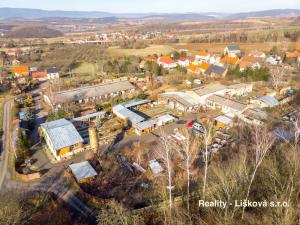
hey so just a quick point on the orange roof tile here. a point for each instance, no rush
(166, 60)
(21, 70)
(202, 53)
(292, 54)
(204, 66)
(192, 68)
(229, 60)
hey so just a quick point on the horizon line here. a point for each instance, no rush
(157, 12)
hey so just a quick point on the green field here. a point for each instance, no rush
(88, 68)
(152, 49)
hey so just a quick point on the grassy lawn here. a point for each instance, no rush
(152, 49)
(89, 68)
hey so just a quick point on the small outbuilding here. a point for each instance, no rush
(83, 171)
(265, 101)
(155, 167)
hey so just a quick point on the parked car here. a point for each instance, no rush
(199, 127)
(190, 124)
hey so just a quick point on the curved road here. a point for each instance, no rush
(56, 184)
(5, 142)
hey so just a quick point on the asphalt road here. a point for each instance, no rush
(6, 142)
(56, 183)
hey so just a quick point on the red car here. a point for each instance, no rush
(190, 124)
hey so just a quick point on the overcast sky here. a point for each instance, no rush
(125, 6)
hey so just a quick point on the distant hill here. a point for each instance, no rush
(35, 32)
(177, 17)
(11, 13)
(273, 12)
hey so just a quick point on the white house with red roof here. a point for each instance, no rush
(166, 62)
(183, 62)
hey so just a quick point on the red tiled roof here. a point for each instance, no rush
(166, 60)
(38, 74)
(183, 59)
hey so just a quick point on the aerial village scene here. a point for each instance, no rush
(137, 121)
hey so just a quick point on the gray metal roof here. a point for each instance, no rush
(62, 133)
(128, 114)
(209, 89)
(215, 69)
(90, 91)
(82, 170)
(227, 102)
(233, 48)
(88, 116)
(136, 102)
(52, 70)
(269, 100)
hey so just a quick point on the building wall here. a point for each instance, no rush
(49, 142)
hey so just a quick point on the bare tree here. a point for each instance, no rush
(164, 153)
(263, 141)
(277, 75)
(292, 137)
(189, 151)
(207, 138)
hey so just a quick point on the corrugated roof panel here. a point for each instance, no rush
(82, 170)
(62, 133)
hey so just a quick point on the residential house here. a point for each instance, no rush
(83, 172)
(265, 101)
(62, 138)
(215, 71)
(53, 73)
(193, 69)
(228, 61)
(257, 54)
(21, 71)
(100, 92)
(11, 53)
(274, 60)
(166, 62)
(203, 67)
(232, 51)
(292, 54)
(183, 62)
(214, 59)
(15, 62)
(39, 75)
(202, 56)
(249, 62)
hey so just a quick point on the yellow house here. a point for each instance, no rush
(62, 138)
